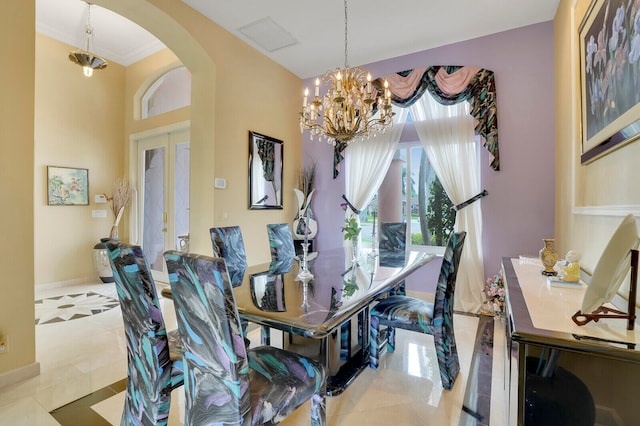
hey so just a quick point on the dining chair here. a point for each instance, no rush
(421, 316)
(154, 357)
(226, 383)
(392, 250)
(280, 242)
(227, 243)
(392, 253)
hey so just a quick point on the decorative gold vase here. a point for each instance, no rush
(549, 257)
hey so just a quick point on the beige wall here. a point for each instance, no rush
(78, 123)
(234, 89)
(590, 199)
(17, 20)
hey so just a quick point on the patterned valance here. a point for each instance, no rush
(448, 85)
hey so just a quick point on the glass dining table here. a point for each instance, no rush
(326, 313)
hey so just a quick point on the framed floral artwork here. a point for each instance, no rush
(67, 186)
(610, 76)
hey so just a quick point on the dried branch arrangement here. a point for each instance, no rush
(120, 198)
(306, 179)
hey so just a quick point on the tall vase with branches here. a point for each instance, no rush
(305, 223)
(119, 200)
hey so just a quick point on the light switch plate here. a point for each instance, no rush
(99, 199)
(99, 213)
(220, 183)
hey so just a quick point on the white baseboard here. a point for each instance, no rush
(75, 281)
(19, 374)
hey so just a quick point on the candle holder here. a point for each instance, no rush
(304, 274)
(374, 242)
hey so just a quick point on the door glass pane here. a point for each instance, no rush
(153, 208)
(181, 196)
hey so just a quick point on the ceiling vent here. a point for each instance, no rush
(268, 35)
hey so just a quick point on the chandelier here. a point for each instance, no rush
(86, 60)
(347, 111)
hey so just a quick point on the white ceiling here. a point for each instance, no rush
(377, 29)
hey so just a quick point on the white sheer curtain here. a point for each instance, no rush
(447, 135)
(366, 162)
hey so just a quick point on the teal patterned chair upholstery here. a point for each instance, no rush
(226, 383)
(424, 317)
(392, 249)
(227, 243)
(154, 357)
(281, 242)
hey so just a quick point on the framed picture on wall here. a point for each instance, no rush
(610, 77)
(265, 172)
(67, 186)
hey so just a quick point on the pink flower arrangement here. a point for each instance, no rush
(494, 292)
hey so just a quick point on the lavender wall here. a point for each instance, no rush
(519, 210)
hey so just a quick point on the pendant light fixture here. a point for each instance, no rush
(88, 61)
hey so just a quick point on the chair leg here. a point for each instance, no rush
(345, 341)
(318, 410)
(447, 354)
(265, 336)
(391, 339)
(374, 343)
(137, 411)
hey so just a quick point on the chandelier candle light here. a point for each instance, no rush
(347, 109)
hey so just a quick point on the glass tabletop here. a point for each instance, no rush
(273, 294)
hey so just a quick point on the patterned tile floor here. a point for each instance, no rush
(81, 349)
(72, 306)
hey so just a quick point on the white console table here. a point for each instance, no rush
(558, 367)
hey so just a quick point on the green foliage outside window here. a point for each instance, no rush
(440, 214)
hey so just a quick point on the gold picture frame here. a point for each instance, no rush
(610, 83)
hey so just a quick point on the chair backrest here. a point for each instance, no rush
(228, 243)
(215, 357)
(280, 241)
(151, 373)
(393, 243)
(445, 289)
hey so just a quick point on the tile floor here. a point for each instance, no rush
(82, 355)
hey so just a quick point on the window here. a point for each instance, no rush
(429, 215)
(169, 92)
(425, 206)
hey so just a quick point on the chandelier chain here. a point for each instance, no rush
(84, 57)
(351, 108)
(346, 38)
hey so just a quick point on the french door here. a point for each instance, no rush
(162, 202)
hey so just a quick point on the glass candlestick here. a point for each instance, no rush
(374, 243)
(304, 274)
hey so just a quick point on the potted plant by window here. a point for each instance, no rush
(351, 232)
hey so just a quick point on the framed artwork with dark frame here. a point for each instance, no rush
(67, 186)
(265, 172)
(610, 77)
